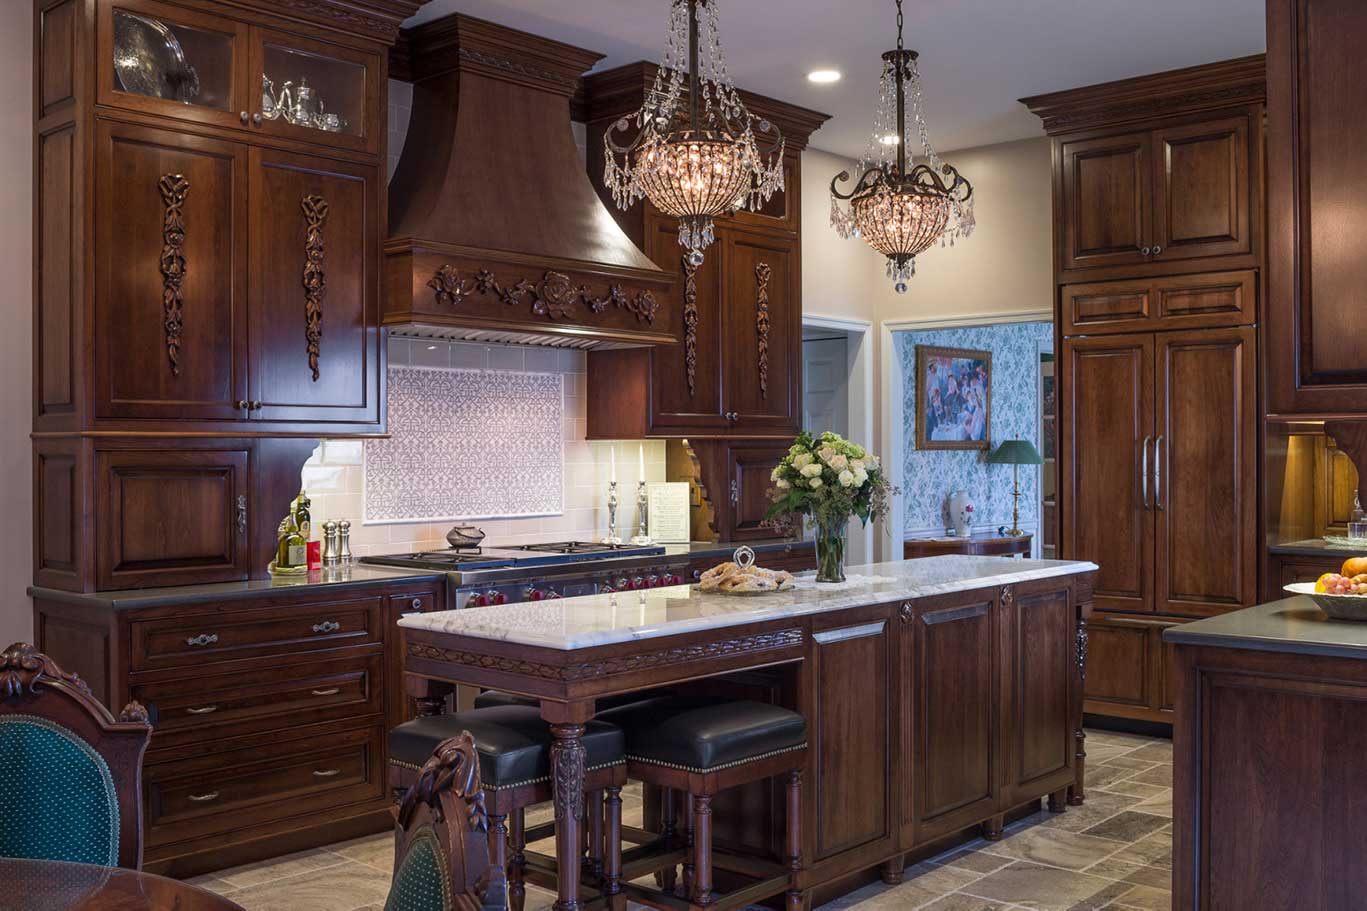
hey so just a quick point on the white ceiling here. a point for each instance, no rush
(977, 56)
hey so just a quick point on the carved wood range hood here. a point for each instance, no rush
(496, 233)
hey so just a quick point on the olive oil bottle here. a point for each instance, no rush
(291, 556)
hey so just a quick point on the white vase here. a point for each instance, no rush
(960, 510)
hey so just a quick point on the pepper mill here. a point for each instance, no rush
(344, 542)
(331, 545)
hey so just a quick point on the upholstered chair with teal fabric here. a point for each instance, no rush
(441, 859)
(70, 774)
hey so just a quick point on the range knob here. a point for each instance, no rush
(654, 582)
(606, 588)
(535, 594)
(623, 584)
(676, 579)
(478, 601)
(552, 594)
(638, 583)
(495, 596)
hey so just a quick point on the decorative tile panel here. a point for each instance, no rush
(931, 475)
(468, 444)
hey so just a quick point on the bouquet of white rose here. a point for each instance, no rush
(829, 479)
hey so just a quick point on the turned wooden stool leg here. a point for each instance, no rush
(517, 863)
(702, 849)
(595, 835)
(689, 843)
(669, 830)
(498, 842)
(793, 900)
(612, 865)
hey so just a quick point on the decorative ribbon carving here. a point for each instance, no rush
(762, 275)
(315, 280)
(174, 188)
(690, 319)
(554, 297)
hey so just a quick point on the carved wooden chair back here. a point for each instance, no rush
(70, 774)
(441, 857)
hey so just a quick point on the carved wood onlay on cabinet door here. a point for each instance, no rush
(554, 297)
(174, 188)
(908, 611)
(763, 273)
(315, 280)
(690, 319)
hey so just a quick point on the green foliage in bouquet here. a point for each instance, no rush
(830, 479)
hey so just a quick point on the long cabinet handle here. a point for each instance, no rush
(1144, 472)
(203, 710)
(326, 773)
(330, 691)
(201, 640)
(327, 626)
(203, 798)
(1158, 473)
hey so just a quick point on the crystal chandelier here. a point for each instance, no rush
(694, 154)
(901, 212)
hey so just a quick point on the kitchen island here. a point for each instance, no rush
(1269, 791)
(940, 694)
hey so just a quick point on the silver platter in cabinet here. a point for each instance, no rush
(148, 60)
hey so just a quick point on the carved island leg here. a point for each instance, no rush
(517, 863)
(1077, 792)
(893, 871)
(612, 865)
(567, 769)
(793, 900)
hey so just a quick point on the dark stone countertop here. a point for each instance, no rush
(357, 576)
(1317, 547)
(1293, 626)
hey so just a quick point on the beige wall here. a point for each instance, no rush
(838, 276)
(16, 244)
(1005, 266)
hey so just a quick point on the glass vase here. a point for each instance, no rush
(830, 552)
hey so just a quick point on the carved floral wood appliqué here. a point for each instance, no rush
(554, 297)
(763, 273)
(690, 319)
(174, 188)
(315, 210)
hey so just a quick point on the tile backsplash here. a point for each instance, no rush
(335, 480)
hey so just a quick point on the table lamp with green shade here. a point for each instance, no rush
(1015, 453)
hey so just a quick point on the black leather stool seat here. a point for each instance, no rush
(699, 736)
(491, 698)
(513, 743)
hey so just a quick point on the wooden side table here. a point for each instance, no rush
(983, 545)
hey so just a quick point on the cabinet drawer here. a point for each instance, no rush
(1208, 300)
(247, 634)
(208, 706)
(218, 793)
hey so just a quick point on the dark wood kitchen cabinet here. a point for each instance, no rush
(204, 275)
(1316, 208)
(737, 370)
(1158, 242)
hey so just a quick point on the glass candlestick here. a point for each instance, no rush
(642, 536)
(612, 537)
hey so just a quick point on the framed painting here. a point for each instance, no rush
(953, 398)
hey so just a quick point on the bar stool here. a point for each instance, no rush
(513, 743)
(701, 748)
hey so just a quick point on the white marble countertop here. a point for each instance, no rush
(596, 620)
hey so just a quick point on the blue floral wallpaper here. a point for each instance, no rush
(930, 476)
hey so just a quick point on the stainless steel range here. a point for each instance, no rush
(536, 572)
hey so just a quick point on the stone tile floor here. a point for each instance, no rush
(1115, 852)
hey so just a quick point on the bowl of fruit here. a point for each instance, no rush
(1341, 595)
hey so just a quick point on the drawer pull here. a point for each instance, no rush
(327, 626)
(326, 773)
(330, 691)
(202, 639)
(203, 710)
(204, 798)
(417, 604)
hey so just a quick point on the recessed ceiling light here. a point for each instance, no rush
(823, 76)
(889, 139)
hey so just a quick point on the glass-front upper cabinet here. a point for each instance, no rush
(315, 92)
(172, 61)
